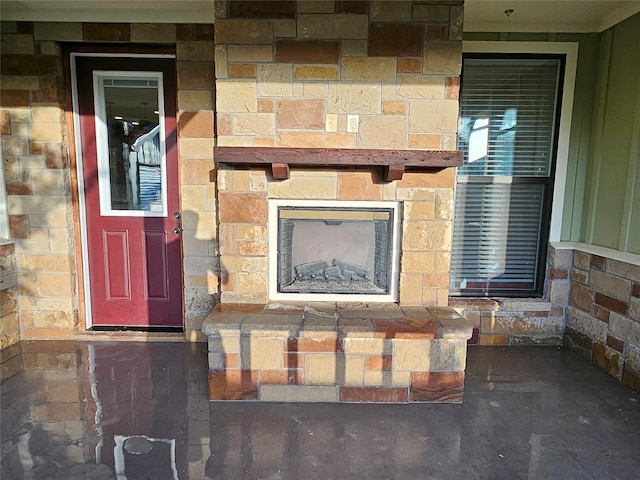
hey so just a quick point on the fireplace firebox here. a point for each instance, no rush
(333, 250)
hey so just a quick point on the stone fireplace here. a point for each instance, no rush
(333, 251)
(336, 126)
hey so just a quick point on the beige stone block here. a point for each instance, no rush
(250, 282)
(427, 116)
(60, 31)
(51, 207)
(46, 132)
(320, 369)
(49, 319)
(299, 393)
(196, 171)
(241, 181)
(254, 124)
(395, 107)
(251, 232)
(418, 262)
(46, 113)
(284, 28)
(443, 57)
(60, 240)
(196, 147)
(155, 32)
(244, 264)
(384, 10)
(195, 100)
(316, 90)
(237, 95)
(315, 72)
(444, 204)
(421, 86)
(50, 182)
(417, 210)
(410, 288)
(310, 139)
(263, 353)
(42, 304)
(354, 98)
(221, 60)
(297, 89)
(304, 187)
(333, 26)
(14, 146)
(193, 197)
(386, 132)
(250, 53)
(366, 345)
(55, 284)
(353, 368)
(388, 91)
(420, 181)
(610, 284)
(45, 263)
(371, 69)
(411, 355)
(274, 80)
(449, 142)
(50, 48)
(234, 141)
(354, 48)
(427, 236)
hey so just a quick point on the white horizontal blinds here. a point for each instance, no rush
(507, 128)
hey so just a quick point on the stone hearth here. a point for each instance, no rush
(331, 352)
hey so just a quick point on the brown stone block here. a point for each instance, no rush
(195, 75)
(242, 70)
(314, 345)
(6, 250)
(194, 32)
(598, 262)
(607, 359)
(18, 188)
(223, 124)
(615, 343)
(232, 360)
(51, 90)
(315, 72)
(352, 6)
(409, 65)
(435, 280)
(378, 362)
(578, 342)
(611, 303)
(307, 51)
(266, 105)
(635, 290)
(13, 99)
(394, 107)
(270, 9)
(431, 13)
(395, 40)
(244, 32)
(581, 297)
(19, 226)
(631, 380)
(437, 30)
(22, 65)
(558, 273)
(106, 32)
(359, 185)
(437, 386)
(280, 377)
(442, 179)
(420, 329)
(5, 120)
(300, 113)
(453, 88)
(493, 339)
(425, 141)
(600, 313)
(233, 385)
(242, 208)
(196, 124)
(374, 394)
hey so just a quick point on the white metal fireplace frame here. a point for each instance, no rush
(274, 295)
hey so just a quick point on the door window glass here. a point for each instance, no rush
(130, 143)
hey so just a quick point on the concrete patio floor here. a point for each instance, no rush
(125, 410)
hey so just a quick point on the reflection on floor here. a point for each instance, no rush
(74, 410)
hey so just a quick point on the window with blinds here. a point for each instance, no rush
(509, 109)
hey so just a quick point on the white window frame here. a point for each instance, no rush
(570, 51)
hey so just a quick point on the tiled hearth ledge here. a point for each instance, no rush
(328, 352)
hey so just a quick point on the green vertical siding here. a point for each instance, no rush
(611, 216)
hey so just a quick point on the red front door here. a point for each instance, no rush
(129, 161)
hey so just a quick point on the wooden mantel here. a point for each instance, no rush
(394, 162)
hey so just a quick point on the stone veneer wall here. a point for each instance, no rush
(523, 321)
(294, 80)
(603, 318)
(35, 146)
(9, 322)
